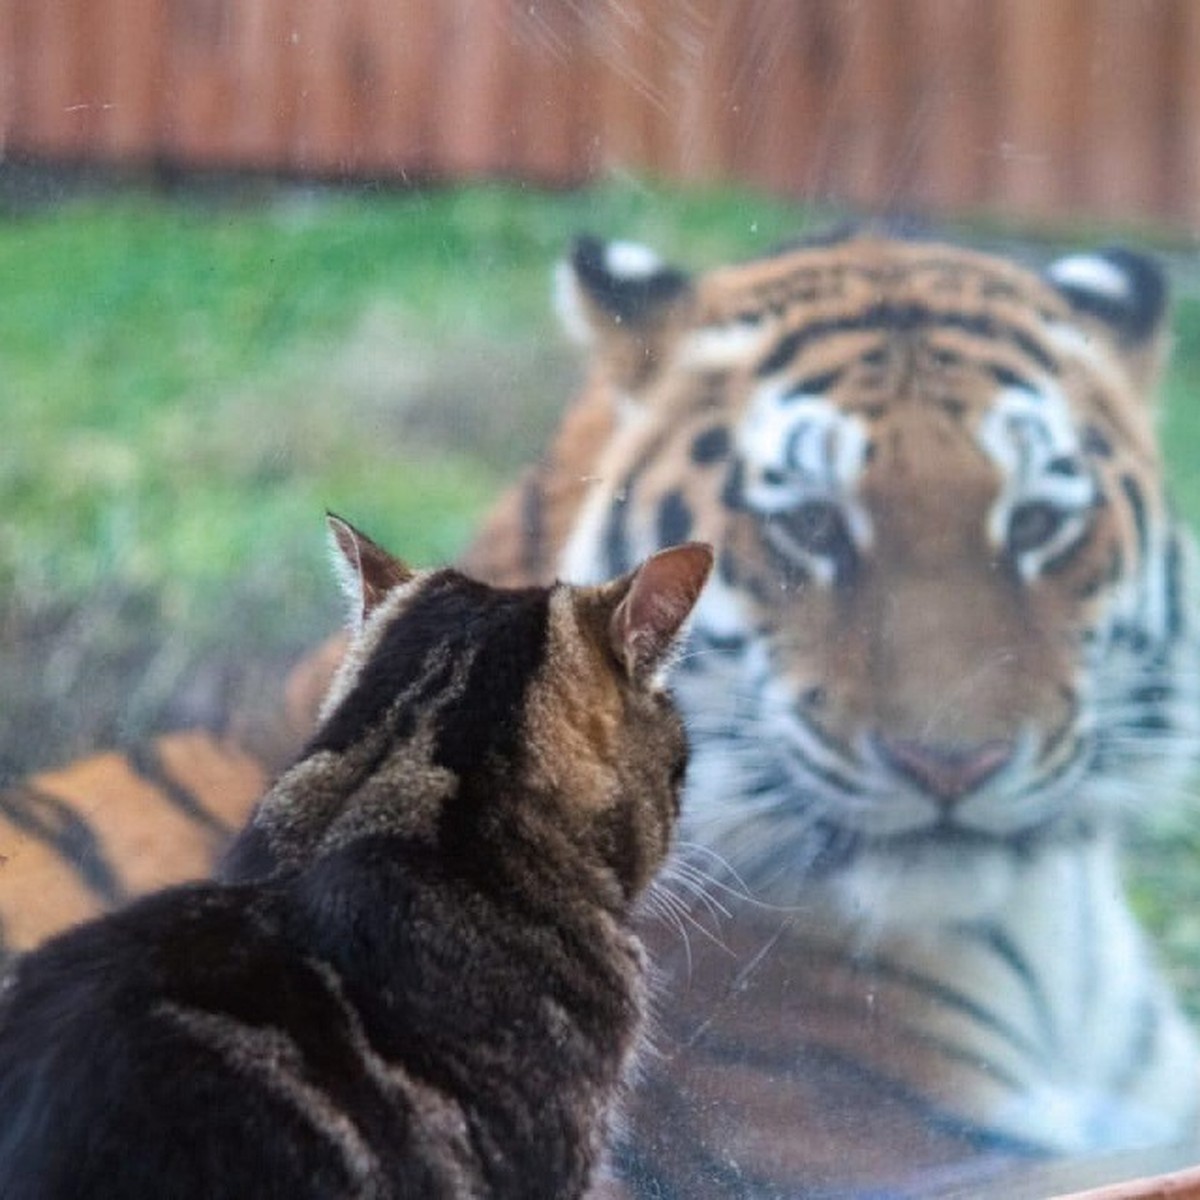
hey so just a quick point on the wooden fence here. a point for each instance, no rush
(1026, 107)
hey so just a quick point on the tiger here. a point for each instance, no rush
(946, 655)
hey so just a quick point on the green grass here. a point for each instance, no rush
(1180, 422)
(177, 404)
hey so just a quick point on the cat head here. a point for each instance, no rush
(464, 715)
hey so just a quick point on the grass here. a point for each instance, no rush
(187, 386)
(178, 378)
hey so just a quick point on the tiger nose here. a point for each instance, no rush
(948, 772)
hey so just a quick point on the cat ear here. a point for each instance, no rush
(367, 572)
(647, 624)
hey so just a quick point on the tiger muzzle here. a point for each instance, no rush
(946, 772)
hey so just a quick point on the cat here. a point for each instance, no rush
(416, 972)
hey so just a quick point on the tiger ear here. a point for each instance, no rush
(365, 570)
(647, 624)
(1122, 297)
(624, 303)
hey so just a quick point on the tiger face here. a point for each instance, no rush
(948, 624)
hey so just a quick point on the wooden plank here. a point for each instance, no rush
(547, 40)
(784, 116)
(951, 47)
(627, 83)
(588, 147)
(55, 107)
(871, 127)
(128, 56)
(322, 138)
(708, 47)
(400, 40)
(197, 101)
(666, 28)
(1124, 161)
(260, 84)
(473, 118)
(1182, 202)
(1024, 106)
(1042, 82)
(17, 137)
(834, 161)
(8, 73)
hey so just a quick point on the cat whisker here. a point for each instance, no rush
(674, 905)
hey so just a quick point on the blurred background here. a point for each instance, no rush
(266, 257)
(1018, 107)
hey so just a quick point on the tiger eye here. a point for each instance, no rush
(1032, 525)
(818, 527)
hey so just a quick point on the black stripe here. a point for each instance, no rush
(710, 445)
(55, 823)
(834, 748)
(890, 1091)
(897, 1033)
(994, 939)
(1150, 722)
(1174, 588)
(1141, 1051)
(1133, 638)
(618, 556)
(789, 346)
(1096, 443)
(674, 519)
(532, 526)
(813, 386)
(827, 775)
(1043, 782)
(1063, 559)
(1006, 377)
(733, 492)
(146, 761)
(952, 998)
(1152, 693)
(724, 643)
(266, 986)
(502, 631)
(903, 318)
(1137, 504)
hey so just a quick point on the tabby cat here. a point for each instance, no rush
(417, 977)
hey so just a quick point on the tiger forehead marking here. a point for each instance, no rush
(904, 378)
